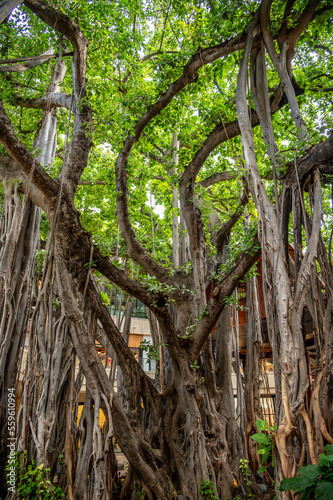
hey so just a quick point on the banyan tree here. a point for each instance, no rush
(170, 152)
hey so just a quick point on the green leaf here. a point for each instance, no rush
(262, 425)
(297, 484)
(265, 456)
(329, 449)
(329, 476)
(309, 493)
(262, 469)
(311, 472)
(324, 490)
(260, 438)
(325, 460)
(105, 298)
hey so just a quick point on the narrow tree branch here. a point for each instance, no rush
(190, 74)
(53, 100)
(324, 47)
(221, 232)
(218, 177)
(305, 18)
(330, 77)
(43, 57)
(164, 26)
(19, 68)
(31, 62)
(128, 75)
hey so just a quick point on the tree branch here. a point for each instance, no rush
(53, 100)
(218, 177)
(117, 276)
(190, 75)
(21, 154)
(43, 57)
(324, 47)
(156, 302)
(10, 171)
(282, 62)
(130, 368)
(65, 25)
(319, 155)
(81, 137)
(330, 77)
(147, 58)
(217, 302)
(32, 62)
(6, 8)
(221, 133)
(221, 232)
(305, 18)
(134, 247)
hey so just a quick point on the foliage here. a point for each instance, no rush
(266, 440)
(138, 490)
(40, 258)
(236, 250)
(151, 350)
(314, 481)
(153, 285)
(195, 365)
(34, 482)
(105, 298)
(245, 470)
(207, 490)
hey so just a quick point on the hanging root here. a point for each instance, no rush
(318, 416)
(302, 459)
(283, 432)
(285, 429)
(309, 433)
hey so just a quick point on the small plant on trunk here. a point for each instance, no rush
(207, 490)
(266, 440)
(138, 491)
(245, 470)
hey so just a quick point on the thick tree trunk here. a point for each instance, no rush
(191, 423)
